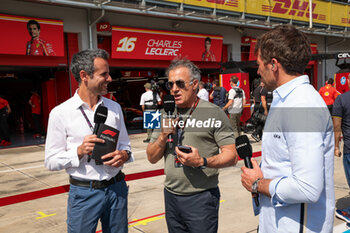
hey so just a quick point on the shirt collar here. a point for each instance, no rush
(288, 87)
(77, 101)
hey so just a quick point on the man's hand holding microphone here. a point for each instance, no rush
(251, 172)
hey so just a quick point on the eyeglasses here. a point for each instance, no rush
(180, 83)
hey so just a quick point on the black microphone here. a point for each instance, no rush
(169, 107)
(100, 117)
(245, 152)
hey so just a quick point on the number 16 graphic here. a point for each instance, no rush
(126, 44)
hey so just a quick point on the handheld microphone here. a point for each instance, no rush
(169, 107)
(99, 118)
(245, 152)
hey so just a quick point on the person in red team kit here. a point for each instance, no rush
(35, 103)
(329, 94)
(37, 46)
(5, 110)
(207, 54)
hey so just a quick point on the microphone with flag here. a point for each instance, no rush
(109, 134)
(245, 152)
(169, 108)
(99, 119)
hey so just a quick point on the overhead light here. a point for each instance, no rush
(100, 2)
(151, 8)
(190, 13)
(224, 17)
(252, 21)
(275, 25)
(320, 30)
(106, 2)
(239, 29)
(176, 25)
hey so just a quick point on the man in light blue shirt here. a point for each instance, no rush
(295, 181)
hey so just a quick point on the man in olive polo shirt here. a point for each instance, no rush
(191, 191)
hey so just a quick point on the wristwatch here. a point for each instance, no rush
(205, 162)
(255, 186)
(129, 154)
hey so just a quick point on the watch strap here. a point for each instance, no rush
(255, 186)
(129, 154)
(205, 163)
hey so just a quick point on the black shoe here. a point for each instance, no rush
(146, 141)
(255, 137)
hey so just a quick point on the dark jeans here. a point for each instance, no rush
(37, 123)
(192, 213)
(346, 165)
(4, 129)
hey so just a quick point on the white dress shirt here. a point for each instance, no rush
(203, 94)
(298, 155)
(67, 128)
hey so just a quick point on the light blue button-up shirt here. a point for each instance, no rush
(298, 155)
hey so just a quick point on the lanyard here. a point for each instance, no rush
(181, 131)
(86, 118)
(89, 124)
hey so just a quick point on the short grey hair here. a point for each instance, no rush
(195, 72)
(84, 60)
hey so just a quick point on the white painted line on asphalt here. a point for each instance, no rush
(140, 151)
(21, 168)
(38, 166)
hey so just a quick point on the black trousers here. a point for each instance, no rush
(4, 129)
(198, 213)
(260, 125)
(37, 123)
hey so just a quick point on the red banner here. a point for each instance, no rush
(31, 36)
(137, 43)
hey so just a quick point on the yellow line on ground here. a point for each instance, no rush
(43, 215)
(146, 221)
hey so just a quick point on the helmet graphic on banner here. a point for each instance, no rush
(343, 80)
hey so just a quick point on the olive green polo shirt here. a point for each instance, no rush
(207, 129)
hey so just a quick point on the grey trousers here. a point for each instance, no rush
(235, 119)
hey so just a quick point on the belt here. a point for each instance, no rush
(97, 184)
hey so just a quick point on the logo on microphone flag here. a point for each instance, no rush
(109, 132)
(151, 119)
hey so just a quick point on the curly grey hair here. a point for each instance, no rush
(195, 73)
